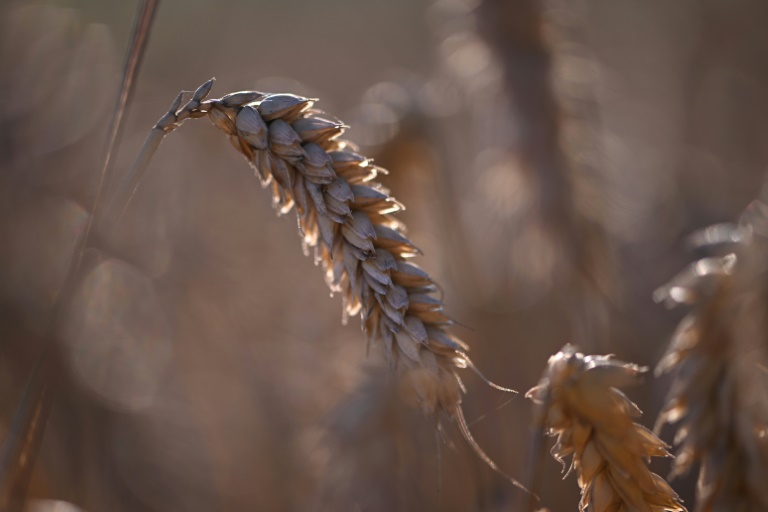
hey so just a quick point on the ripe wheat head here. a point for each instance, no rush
(580, 403)
(347, 219)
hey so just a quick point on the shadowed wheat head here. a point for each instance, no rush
(580, 403)
(718, 354)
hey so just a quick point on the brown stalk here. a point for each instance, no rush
(19, 449)
(136, 48)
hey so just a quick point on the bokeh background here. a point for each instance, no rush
(553, 156)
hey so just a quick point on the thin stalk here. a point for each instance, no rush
(536, 457)
(20, 447)
(171, 120)
(130, 182)
(17, 454)
(133, 61)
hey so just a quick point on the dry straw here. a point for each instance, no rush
(580, 403)
(347, 219)
(719, 396)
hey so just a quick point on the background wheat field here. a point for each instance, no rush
(558, 161)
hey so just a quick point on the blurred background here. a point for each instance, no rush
(553, 155)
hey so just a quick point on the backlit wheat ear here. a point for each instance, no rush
(719, 395)
(347, 219)
(579, 402)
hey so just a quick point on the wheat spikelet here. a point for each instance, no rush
(719, 355)
(593, 421)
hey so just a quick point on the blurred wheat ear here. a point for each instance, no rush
(718, 354)
(580, 403)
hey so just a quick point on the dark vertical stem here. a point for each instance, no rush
(20, 447)
(17, 454)
(515, 32)
(536, 454)
(138, 45)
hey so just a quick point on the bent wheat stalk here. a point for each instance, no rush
(580, 404)
(347, 219)
(719, 356)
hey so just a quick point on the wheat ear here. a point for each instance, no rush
(719, 354)
(347, 219)
(580, 403)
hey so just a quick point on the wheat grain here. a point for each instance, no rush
(719, 356)
(580, 404)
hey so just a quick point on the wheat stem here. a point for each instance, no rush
(136, 49)
(130, 182)
(19, 448)
(536, 455)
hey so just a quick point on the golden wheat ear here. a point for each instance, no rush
(719, 356)
(347, 219)
(581, 404)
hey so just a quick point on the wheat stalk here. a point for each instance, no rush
(719, 356)
(347, 219)
(20, 447)
(580, 404)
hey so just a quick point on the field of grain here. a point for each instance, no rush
(535, 219)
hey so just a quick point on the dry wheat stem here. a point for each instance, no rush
(136, 49)
(172, 119)
(20, 446)
(24, 436)
(580, 403)
(718, 353)
(348, 220)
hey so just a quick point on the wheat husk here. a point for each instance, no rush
(719, 396)
(580, 403)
